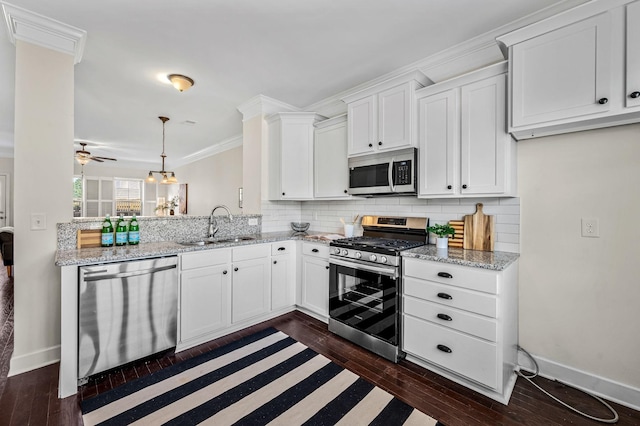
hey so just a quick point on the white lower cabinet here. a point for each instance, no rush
(251, 287)
(205, 293)
(283, 275)
(314, 292)
(462, 323)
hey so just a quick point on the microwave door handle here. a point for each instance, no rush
(390, 172)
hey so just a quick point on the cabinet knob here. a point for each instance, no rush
(445, 275)
(380, 143)
(603, 101)
(444, 348)
(444, 317)
(275, 261)
(464, 186)
(283, 194)
(235, 269)
(448, 186)
(634, 95)
(445, 296)
(224, 272)
(370, 145)
(327, 267)
(346, 192)
(315, 250)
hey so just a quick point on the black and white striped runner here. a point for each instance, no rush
(265, 378)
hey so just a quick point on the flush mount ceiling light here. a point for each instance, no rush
(181, 82)
(165, 179)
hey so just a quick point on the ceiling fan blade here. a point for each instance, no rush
(97, 159)
(104, 158)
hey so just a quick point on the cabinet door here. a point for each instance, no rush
(394, 118)
(633, 55)
(315, 285)
(484, 140)
(363, 126)
(204, 301)
(296, 171)
(439, 141)
(282, 282)
(330, 162)
(562, 74)
(251, 289)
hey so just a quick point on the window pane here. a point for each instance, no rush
(128, 196)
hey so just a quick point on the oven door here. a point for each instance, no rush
(365, 297)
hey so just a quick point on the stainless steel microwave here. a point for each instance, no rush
(388, 173)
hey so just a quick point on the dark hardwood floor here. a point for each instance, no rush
(31, 398)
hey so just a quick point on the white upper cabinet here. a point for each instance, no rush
(381, 117)
(291, 155)
(331, 170)
(464, 147)
(575, 71)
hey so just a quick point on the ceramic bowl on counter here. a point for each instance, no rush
(300, 226)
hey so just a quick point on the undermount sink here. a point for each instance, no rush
(225, 240)
(196, 243)
(235, 240)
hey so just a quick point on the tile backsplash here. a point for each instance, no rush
(324, 216)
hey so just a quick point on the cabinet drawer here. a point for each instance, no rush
(318, 250)
(201, 259)
(450, 296)
(468, 356)
(455, 275)
(251, 252)
(466, 322)
(284, 247)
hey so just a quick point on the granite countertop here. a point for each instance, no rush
(494, 260)
(87, 256)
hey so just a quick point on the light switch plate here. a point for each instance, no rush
(38, 221)
(253, 222)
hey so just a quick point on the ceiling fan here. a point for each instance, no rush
(83, 156)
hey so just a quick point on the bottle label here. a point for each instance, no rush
(134, 237)
(121, 238)
(107, 239)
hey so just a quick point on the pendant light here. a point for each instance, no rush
(165, 179)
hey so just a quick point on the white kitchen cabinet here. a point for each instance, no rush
(290, 155)
(251, 285)
(314, 294)
(461, 322)
(283, 275)
(571, 72)
(464, 147)
(331, 170)
(205, 293)
(381, 117)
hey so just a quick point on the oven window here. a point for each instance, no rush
(369, 176)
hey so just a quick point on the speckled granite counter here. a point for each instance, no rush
(88, 256)
(494, 260)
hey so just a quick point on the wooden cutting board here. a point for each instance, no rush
(458, 239)
(89, 238)
(478, 231)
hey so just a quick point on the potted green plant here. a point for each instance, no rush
(442, 232)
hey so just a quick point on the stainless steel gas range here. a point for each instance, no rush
(365, 282)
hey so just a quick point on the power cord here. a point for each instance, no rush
(537, 370)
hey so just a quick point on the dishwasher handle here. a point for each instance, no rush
(127, 274)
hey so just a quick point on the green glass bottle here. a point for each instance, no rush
(107, 232)
(134, 231)
(121, 231)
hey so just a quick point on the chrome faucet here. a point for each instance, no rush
(213, 223)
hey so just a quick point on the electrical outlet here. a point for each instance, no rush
(38, 221)
(590, 228)
(253, 222)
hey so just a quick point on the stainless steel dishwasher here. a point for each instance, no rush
(127, 311)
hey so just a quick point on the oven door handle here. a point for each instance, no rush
(389, 272)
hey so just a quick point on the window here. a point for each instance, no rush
(77, 196)
(99, 196)
(128, 196)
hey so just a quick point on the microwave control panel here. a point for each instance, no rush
(402, 172)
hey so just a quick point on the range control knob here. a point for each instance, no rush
(373, 257)
(345, 252)
(336, 251)
(383, 259)
(358, 255)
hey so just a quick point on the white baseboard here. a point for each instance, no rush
(31, 361)
(605, 388)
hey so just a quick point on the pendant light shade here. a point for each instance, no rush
(162, 172)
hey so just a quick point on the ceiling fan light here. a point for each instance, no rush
(181, 82)
(82, 159)
(150, 178)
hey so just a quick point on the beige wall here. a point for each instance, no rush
(212, 181)
(579, 296)
(253, 142)
(43, 175)
(6, 168)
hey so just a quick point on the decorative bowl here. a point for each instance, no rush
(300, 226)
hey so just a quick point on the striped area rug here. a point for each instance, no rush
(265, 378)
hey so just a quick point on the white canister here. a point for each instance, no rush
(348, 231)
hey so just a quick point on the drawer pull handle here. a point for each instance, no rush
(445, 296)
(444, 348)
(445, 317)
(281, 248)
(315, 250)
(224, 272)
(445, 275)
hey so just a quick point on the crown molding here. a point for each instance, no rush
(217, 148)
(43, 31)
(263, 105)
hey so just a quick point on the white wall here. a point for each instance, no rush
(213, 180)
(6, 168)
(579, 296)
(43, 176)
